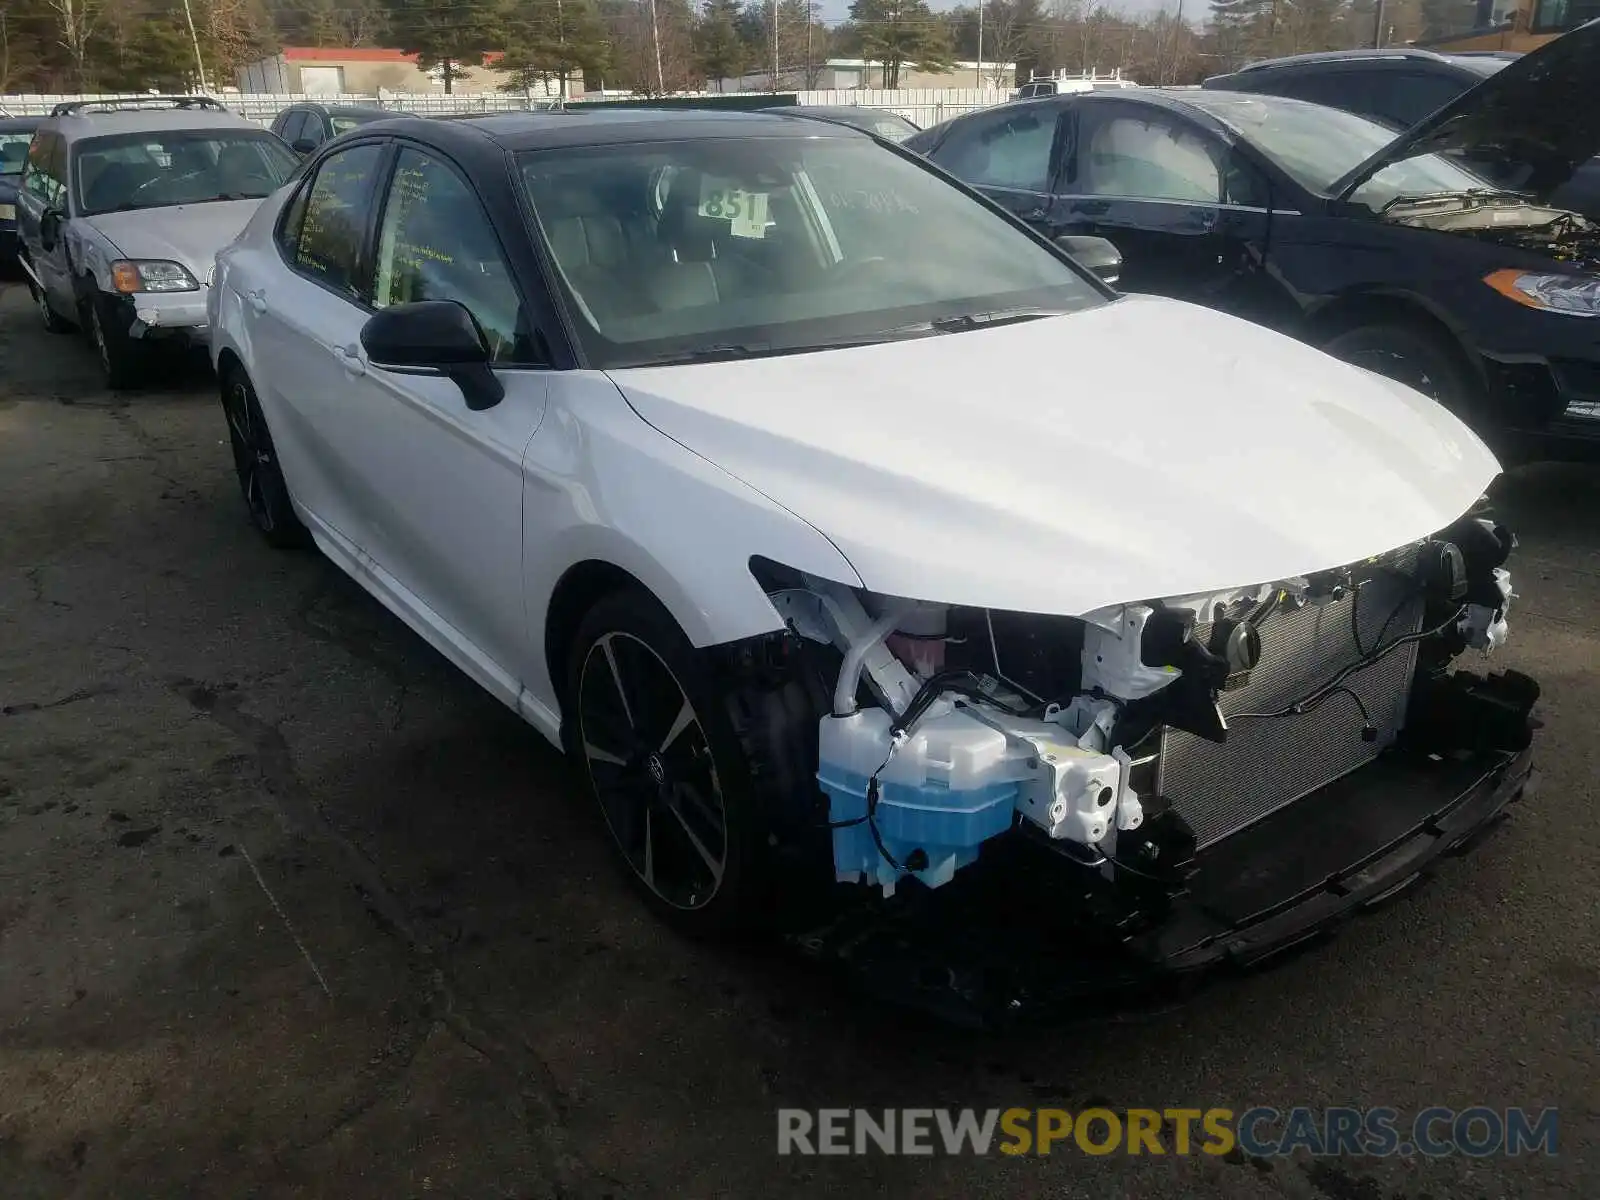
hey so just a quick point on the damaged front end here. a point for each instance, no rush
(1162, 780)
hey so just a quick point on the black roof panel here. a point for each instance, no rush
(575, 127)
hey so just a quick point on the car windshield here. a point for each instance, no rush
(1319, 146)
(895, 128)
(157, 169)
(891, 126)
(1483, 66)
(345, 122)
(14, 150)
(670, 251)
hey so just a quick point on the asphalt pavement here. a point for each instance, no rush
(289, 908)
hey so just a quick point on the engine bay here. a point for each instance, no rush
(1126, 739)
(1562, 236)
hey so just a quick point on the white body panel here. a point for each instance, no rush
(463, 523)
(1146, 448)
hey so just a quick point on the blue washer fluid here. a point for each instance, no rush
(950, 787)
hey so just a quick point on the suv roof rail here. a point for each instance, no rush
(123, 103)
(1342, 56)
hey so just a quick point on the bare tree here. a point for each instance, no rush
(1005, 35)
(78, 21)
(5, 55)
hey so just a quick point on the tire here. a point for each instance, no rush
(53, 322)
(1414, 356)
(650, 730)
(255, 463)
(124, 359)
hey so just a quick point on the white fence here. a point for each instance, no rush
(924, 106)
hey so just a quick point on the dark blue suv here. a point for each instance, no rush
(15, 135)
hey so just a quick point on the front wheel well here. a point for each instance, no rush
(1354, 312)
(583, 586)
(1359, 311)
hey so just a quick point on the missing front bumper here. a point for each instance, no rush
(1023, 936)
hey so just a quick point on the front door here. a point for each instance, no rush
(443, 483)
(44, 193)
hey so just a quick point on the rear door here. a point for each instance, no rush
(304, 314)
(1189, 212)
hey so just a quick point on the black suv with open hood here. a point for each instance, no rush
(1441, 257)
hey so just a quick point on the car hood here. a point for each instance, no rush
(187, 233)
(1142, 449)
(1536, 120)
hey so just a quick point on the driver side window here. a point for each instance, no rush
(436, 243)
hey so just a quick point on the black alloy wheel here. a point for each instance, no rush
(663, 764)
(255, 462)
(652, 771)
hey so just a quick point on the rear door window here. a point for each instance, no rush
(1004, 150)
(329, 246)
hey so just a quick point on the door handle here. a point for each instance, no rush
(350, 360)
(258, 301)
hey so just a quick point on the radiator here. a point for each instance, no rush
(1267, 764)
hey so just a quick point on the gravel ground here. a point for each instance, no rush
(289, 908)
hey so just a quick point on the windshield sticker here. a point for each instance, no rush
(745, 212)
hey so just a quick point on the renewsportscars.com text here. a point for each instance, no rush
(1262, 1132)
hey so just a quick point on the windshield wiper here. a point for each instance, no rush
(728, 352)
(1462, 194)
(704, 354)
(1003, 316)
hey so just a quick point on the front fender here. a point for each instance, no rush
(603, 486)
(91, 254)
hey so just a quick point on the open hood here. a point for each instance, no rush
(1532, 124)
(1146, 448)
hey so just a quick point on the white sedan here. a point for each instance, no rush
(854, 536)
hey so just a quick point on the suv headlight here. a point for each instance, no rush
(137, 275)
(1569, 295)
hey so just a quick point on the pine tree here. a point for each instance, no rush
(896, 32)
(553, 39)
(719, 50)
(443, 33)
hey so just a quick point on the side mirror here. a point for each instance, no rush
(1095, 253)
(50, 228)
(435, 336)
(302, 146)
